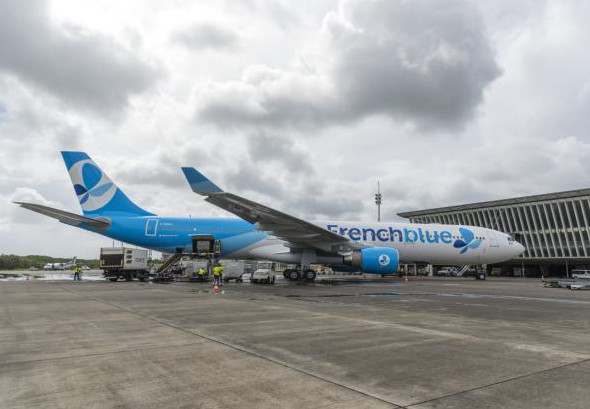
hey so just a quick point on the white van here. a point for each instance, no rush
(447, 272)
(581, 274)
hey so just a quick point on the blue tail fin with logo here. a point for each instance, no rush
(96, 192)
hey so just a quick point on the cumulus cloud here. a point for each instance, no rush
(80, 68)
(300, 195)
(271, 148)
(322, 99)
(207, 36)
(427, 62)
(278, 172)
(159, 168)
(10, 212)
(250, 178)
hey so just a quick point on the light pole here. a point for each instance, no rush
(378, 201)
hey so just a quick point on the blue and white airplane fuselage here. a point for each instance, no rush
(265, 233)
(425, 243)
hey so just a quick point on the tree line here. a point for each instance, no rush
(14, 262)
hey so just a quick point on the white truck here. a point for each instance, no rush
(581, 274)
(124, 263)
(263, 274)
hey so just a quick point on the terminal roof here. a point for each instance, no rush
(496, 203)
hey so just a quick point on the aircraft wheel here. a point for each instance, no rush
(309, 275)
(292, 275)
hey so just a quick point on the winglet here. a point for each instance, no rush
(199, 183)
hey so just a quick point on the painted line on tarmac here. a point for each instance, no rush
(238, 348)
(514, 378)
(93, 354)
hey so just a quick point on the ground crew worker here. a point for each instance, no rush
(77, 271)
(218, 273)
(201, 273)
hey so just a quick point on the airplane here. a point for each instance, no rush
(261, 232)
(61, 266)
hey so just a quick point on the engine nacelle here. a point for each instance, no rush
(374, 260)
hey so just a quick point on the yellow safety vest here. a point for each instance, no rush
(216, 271)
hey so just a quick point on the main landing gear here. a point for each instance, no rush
(303, 274)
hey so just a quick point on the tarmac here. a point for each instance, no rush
(337, 343)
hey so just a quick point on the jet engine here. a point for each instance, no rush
(374, 260)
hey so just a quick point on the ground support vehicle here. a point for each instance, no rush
(163, 277)
(581, 274)
(447, 272)
(263, 276)
(571, 284)
(124, 263)
(233, 270)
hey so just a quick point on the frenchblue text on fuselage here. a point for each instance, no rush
(392, 234)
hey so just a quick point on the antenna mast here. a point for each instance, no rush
(378, 201)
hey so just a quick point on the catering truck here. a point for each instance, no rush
(124, 263)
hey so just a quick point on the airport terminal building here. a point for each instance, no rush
(553, 227)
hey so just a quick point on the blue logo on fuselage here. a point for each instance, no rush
(466, 241)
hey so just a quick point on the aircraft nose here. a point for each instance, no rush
(519, 248)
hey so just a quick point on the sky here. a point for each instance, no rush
(302, 105)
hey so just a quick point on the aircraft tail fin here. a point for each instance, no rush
(96, 192)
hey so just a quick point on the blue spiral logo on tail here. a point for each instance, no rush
(91, 176)
(93, 188)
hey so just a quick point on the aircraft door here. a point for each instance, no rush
(494, 240)
(151, 227)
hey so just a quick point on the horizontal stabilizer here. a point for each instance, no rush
(66, 217)
(199, 183)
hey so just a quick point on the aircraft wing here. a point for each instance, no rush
(298, 232)
(66, 217)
